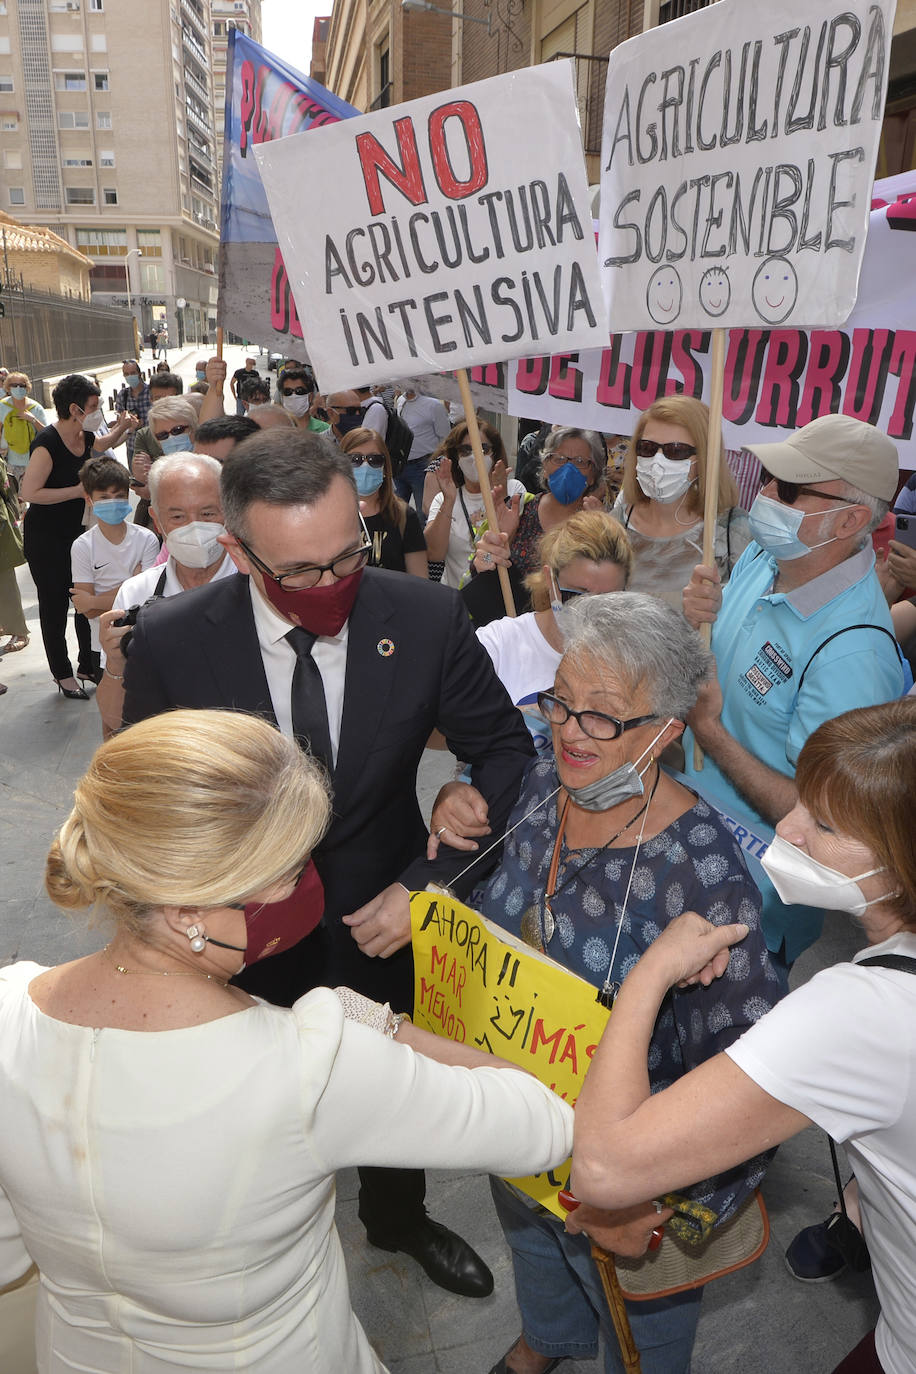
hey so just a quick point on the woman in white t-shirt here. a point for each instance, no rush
(588, 553)
(838, 1051)
(457, 508)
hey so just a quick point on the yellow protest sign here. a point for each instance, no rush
(479, 985)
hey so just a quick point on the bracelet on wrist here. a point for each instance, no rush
(377, 1015)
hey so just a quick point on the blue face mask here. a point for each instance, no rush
(176, 443)
(112, 510)
(368, 480)
(567, 484)
(775, 528)
(18, 392)
(134, 380)
(201, 374)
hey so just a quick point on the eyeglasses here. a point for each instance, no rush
(346, 410)
(294, 391)
(465, 450)
(310, 575)
(581, 463)
(678, 453)
(595, 724)
(375, 460)
(789, 492)
(161, 434)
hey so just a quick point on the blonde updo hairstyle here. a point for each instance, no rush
(190, 808)
(589, 534)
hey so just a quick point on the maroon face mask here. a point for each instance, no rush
(273, 927)
(321, 610)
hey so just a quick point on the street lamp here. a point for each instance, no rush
(130, 254)
(425, 6)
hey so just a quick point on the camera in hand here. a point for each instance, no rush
(130, 618)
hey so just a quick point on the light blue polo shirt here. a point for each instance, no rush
(763, 641)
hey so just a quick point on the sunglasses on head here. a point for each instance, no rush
(375, 460)
(678, 453)
(161, 434)
(789, 492)
(295, 391)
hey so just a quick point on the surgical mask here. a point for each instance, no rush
(18, 392)
(367, 479)
(92, 422)
(134, 380)
(2, 392)
(112, 511)
(620, 785)
(200, 373)
(321, 610)
(176, 443)
(344, 422)
(469, 467)
(567, 484)
(299, 406)
(196, 545)
(257, 405)
(799, 878)
(663, 479)
(775, 528)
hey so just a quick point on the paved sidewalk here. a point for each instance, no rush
(760, 1321)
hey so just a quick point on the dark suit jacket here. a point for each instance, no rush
(201, 650)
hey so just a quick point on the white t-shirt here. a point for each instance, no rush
(842, 1050)
(524, 661)
(94, 559)
(460, 542)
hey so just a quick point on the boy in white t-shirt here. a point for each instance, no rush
(110, 551)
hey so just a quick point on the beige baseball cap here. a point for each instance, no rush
(832, 448)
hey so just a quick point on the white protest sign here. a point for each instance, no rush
(738, 153)
(445, 232)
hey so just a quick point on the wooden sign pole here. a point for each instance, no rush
(219, 342)
(713, 466)
(483, 478)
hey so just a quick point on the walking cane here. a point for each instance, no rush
(607, 1272)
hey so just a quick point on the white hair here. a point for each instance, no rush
(183, 465)
(174, 409)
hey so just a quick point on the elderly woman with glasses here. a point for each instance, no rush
(607, 851)
(662, 499)
(456, 504)
(397, 539)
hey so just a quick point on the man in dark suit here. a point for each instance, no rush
(385, 659)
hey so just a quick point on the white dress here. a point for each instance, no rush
(176, 1188)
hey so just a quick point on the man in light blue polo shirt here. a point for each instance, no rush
(801, 633)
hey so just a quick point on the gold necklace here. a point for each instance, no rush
(165, 973)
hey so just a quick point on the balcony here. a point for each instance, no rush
(193, 42)
(590, 78)
(196, 85)
(202, 121)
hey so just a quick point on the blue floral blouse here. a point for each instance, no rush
(694, 865)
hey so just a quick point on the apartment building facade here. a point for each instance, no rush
(225, 15)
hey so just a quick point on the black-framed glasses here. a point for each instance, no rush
(375, 460)
(595, 724)
(294, 391)
(465, 450)
(161, 434)
(346, 410)
(300, 579)
(678, 453)
(789, 492)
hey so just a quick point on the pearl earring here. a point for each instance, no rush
(197, 937)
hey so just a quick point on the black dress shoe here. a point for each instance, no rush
(502, 1368)
(447, 1259)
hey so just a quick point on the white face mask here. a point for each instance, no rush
(663, 479)
(92, 421)
(297, 405)
(469, 467)
(196, 545)
(799, 878)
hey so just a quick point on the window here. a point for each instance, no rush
(17, 195)
(102, 243)
(6, 83)
(72, 119)
(111, 195)
(4, 45)
(80, 195)
(12, 161)
(96, 6)
(103, 119)
(66, 42)
(9, 123)
(77, 161)
(69, 81)
(152, 276)
(100, 80)
(106, 159)
(219, 28)
(99, 43)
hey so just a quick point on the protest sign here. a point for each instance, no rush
(450, 231)
(478, 985)
(265, 99)
(738, 149)
(775, 380)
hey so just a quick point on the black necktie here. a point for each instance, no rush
(309, 709)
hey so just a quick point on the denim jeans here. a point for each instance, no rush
(410, 483)
(562, 1302)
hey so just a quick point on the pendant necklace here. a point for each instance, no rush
(162, 972)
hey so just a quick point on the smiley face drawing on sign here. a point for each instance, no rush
(663, 295)
(715, 291)
(775, 290)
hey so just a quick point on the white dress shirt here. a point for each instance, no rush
(279, 659)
